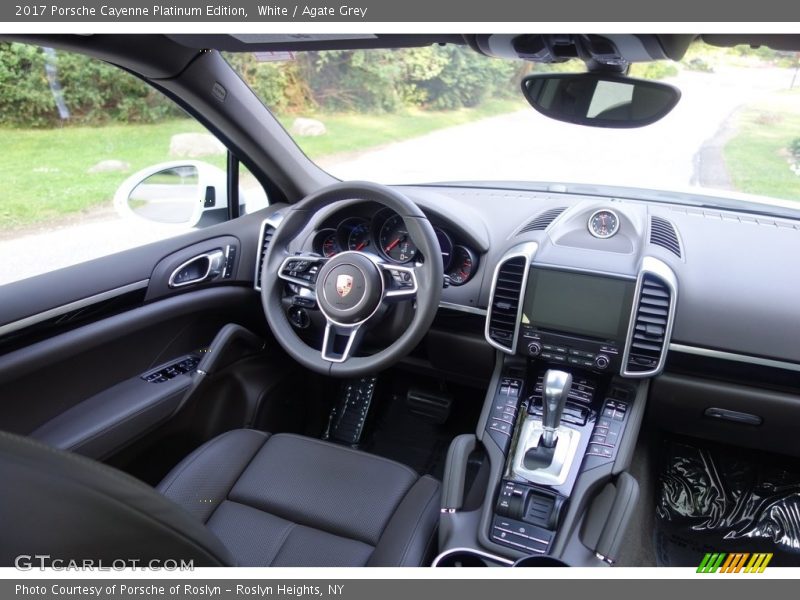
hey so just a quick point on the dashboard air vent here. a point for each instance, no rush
(647, 344)
(542, 221)
(267, 231)
(502, 318)
(662, 233)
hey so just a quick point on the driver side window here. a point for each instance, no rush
(97, 162)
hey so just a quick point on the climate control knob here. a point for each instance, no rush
(534, 349)
(601, 362)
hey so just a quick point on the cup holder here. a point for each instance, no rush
(540, 561)
(465, 557)
(468, 557)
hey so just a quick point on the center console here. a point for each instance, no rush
(563, 411)
(538, 480)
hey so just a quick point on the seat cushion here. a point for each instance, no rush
(295, 501)
(70, 508)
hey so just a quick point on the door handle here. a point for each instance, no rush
(204, 267)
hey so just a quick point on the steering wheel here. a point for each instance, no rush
(350, 287)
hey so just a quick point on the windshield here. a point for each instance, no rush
(447, 113)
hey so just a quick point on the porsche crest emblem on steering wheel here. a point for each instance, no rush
(344, 283)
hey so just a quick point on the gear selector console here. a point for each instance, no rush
(551, 426)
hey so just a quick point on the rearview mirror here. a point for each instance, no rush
(600, 100)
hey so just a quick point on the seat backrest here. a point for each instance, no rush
(69, 508)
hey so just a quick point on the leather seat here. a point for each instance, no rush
(245, 498)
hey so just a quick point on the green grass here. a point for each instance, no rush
(757, 156)
(44, 172)
(354, 132)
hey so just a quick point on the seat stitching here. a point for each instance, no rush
(203, 451)
(300, 524)
(239, 476)
(380, 459)
(416, 525)
(283, 541)
(341, 537)
(308, 524)
(197, 455)
(276, 511)
(429, 544)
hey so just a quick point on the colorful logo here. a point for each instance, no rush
(738, 562)
(344, 283)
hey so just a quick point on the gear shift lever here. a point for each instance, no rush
(542, 456)
(555, 389)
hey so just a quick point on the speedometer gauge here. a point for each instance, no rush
(395, 242)
(354, 233)
(462, 266)
(603, 223)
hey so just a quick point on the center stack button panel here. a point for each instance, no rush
(500, 424)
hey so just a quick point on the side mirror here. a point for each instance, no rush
(183, 193)
(600, 100)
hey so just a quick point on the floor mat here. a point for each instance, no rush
(715, 498)
(414, 441)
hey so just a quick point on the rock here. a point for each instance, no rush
(194, 145)
(308, 127)
(110, 166)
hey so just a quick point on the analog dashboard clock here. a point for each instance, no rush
(603, 223)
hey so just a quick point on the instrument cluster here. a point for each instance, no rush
(384, 234)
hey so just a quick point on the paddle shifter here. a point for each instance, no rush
(555, 389)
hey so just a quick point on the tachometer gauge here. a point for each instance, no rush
(330, 247)
(325, 243)
(603, 223)
(462, 266)
(354, 233)
(395, 242)
(446, 245)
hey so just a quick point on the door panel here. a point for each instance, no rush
(45, 379)
(68, 338)
(37, 295)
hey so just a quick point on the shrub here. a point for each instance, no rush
(94, 92)
(654, 70)
(378, 80)
(794, 149)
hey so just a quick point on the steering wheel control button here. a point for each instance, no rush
(301, 269)
(304, 302)
(299, 317)
(401, 279)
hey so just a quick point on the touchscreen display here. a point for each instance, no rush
(577, 303)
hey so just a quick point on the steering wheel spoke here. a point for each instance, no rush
(340, 341)
(401, 282)
(302, 269)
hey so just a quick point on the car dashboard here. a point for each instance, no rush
(735, 292)
(679, 312)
